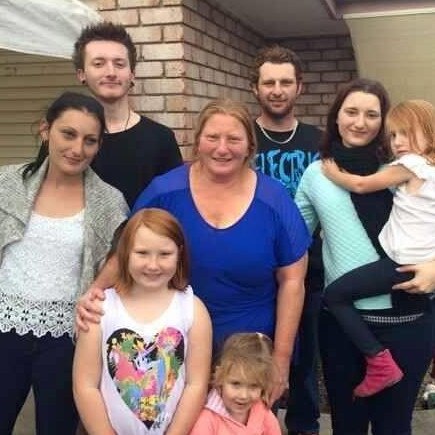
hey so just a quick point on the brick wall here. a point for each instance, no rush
(328, 62)
(191, 51)
(188, 53)
(218, 54)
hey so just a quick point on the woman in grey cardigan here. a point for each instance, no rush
(57, 219)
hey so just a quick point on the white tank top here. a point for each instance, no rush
(144, 364)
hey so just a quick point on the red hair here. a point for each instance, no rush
(162, 223)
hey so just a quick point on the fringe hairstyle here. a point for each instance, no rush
(162, 223)
(249, 353)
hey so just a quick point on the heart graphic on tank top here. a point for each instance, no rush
(145, 372)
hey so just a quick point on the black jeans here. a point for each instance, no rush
(44, 363)
(390, 411)
(303, 399)
(372, 279)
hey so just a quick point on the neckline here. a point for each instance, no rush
(151, 323)
(74, 216)
(205, 221)
(126, 131)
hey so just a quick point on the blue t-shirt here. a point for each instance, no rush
(233, 269)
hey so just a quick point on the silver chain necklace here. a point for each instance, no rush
(279, 142)
(125, 126)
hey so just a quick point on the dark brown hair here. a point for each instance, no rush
(275, 54)
(367, 86)
(162, 223)
(66, 101)
(104, 31)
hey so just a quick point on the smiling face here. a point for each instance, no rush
(107, 71)
(239, 394)
(359, 119)
(153, 260)
(277, 89)
(73, 141)
(223, 147)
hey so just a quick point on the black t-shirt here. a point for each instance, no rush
(130, 159)
(286, 162)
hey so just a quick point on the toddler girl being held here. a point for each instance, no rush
(407, 238)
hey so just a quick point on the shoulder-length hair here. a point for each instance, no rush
(164, 224)
(250, 354)
(367, 86)
(411, 116)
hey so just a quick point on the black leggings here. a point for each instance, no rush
(372, 279)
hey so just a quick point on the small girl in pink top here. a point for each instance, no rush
(237, 404)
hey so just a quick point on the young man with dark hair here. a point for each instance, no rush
(135, 149)
(286, 147)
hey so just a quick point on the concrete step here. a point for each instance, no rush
(423, 422)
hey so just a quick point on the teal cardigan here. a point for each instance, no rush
(346, 245)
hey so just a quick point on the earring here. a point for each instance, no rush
(83, 81)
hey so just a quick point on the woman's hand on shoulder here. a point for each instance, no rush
(423, 281)
(89, 308)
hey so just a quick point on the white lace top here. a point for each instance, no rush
(39, 276)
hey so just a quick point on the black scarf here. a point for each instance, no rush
(373, 208)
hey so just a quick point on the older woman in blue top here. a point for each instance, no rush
(350, 225)
(247, 239)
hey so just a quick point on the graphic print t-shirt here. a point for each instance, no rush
(144, 364)
(287, 162)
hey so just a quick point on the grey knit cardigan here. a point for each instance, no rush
(105, 210)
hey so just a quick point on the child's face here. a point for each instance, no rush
(239, 394)
(153, 259)
(402, 143)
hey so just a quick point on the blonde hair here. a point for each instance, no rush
(232, 108)
(251, 353)
(160, 222)
(411, 116)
